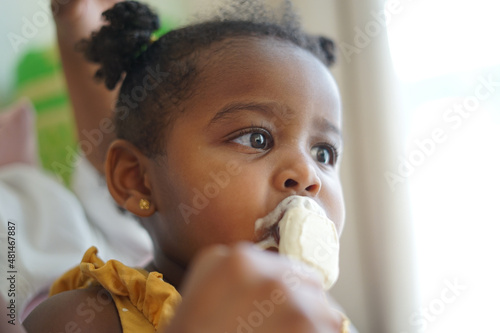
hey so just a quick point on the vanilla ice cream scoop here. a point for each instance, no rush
(305, 233)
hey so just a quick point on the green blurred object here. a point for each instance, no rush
(39, 77)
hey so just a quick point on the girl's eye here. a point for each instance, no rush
(324, 154)
(256, 140)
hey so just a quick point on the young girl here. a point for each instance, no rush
(216, 124)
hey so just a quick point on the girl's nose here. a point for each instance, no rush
(297, 175)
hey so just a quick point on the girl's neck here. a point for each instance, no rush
(173, 273)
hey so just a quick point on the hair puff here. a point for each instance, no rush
(118, 45)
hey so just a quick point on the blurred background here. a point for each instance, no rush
(420, 81)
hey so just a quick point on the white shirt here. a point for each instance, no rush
(51, 227)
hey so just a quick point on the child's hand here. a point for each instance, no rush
(242, 289)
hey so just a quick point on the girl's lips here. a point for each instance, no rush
(276, 231)
(272, 240)
(268, 226)
(299, 228)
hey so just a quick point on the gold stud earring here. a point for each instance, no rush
(144, 204)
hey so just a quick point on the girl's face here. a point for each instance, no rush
(263, 124)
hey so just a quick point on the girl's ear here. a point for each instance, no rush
(127, 178)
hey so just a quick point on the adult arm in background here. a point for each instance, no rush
(92, 105)
(91, 102)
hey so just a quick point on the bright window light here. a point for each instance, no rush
(436, 37)
(447, 56)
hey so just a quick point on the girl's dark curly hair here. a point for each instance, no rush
(160, 75)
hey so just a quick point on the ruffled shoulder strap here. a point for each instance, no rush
(143, 300)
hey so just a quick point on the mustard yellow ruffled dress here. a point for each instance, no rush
(142, 299)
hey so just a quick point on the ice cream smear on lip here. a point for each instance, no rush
(305, 233)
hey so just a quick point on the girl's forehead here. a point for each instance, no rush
(249, 57)
(265, 70)
(248, 48)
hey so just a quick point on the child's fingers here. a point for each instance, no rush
(228, 287)
(248, 265)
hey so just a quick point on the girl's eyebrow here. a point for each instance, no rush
(232, 109)
(276, 110)
(324, 125)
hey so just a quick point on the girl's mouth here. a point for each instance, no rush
(299, 228)
(273, 237)
(267, 227)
